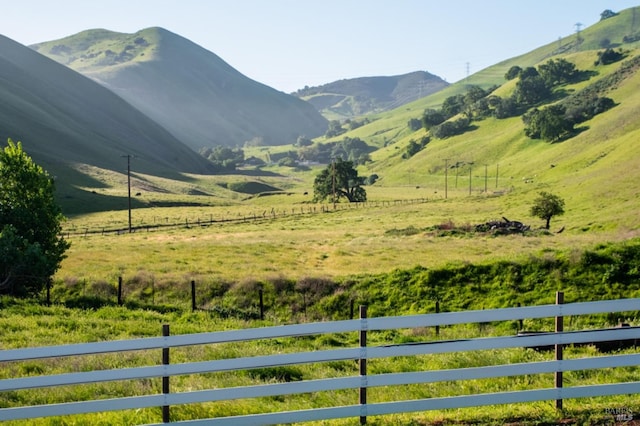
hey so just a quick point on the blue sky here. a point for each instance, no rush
(288, 44)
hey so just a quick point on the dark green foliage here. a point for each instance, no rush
(276, 374)
(335, 129)
(606, 14)
(558, 71)
(31, 248)
(588, 108)
(451, 128)
(432, 117)
(531, 90)
(503, 107)
(513, 72)
(414, 147)
(414, 124)
(546, 206)
(352, 149)
(223, 158)
(371, 179)
(608, 56)
(453, 105)
(340, 179)
(548, 124)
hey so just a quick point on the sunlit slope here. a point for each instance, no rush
(391, 126)
(596, 171)
(64, 118)
(190, 91)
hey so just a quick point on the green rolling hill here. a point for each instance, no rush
(192, 92)
(66, 122)
(365, 95)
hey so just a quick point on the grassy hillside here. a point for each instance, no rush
(193, 93)
(65, 120)
(353, 97)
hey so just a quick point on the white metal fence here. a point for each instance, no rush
(361, 354)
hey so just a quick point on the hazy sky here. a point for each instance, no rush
(288, 44)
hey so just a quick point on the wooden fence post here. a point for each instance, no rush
(119, 291)
(558, 348)
(437, 312)
(193, 296)
(363, 363)
(166, 417)
(260, 295)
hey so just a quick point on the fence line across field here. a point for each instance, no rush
(361, 354)
(160, 222)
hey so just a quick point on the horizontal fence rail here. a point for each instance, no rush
(360, 354)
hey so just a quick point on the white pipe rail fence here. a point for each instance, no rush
(361, 354)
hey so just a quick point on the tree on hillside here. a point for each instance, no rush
(546, 206)
(339, 179)
(548, 124)
(531, 90)
(31, 248)
(223, 157)
(512, 73)
(558, 71)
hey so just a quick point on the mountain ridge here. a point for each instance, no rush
(196, 95)
(348, 98)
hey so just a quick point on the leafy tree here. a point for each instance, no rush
(513, 72)
(531, 90)
(432, 117)
(548, 124)
(606, 14)
(31, 248)
(608, 56)
(303, 141)
(585, 110)
(452, 105)
(339, 178)
(558, 71)
(546, 206)
(352, 149)
(503, 107)
(528, 72)
(414, 124)
(414, 147)
(224, 158)
(451, 128)
(335, 129)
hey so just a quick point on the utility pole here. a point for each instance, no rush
(129, 186)
(485, 178)
(446, 177)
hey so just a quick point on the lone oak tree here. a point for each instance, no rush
(339, 179)
(546, 206)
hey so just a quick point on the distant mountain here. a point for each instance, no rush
(189, 90)
(359, 96)
(65, 119)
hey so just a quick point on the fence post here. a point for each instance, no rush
(558, 348)
(260, 295)
(437, 312)
(166, 417)
(193, 296)
(119, 291)
(363, 363)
